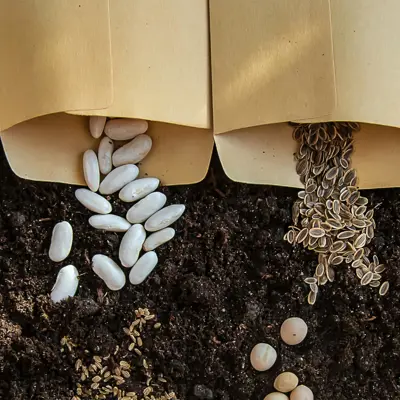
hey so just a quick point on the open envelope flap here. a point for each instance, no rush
(271, 61)
(264, 155)
(50, 148)
(55, 56)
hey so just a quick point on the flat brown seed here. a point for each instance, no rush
(358, 223)
(367, 278)
(337, 246)
(312, 297)
(316, 232)
(346, 234)
(302, 235)
(384, 288)
(336, 206)
(310, 280)
(359, 273)
(375, 283)
(376, 277)
(380, 268)
(334, 224)
(330, 274)
(322, 280)
(314, 287)
(354, 197)
(356, 263)
(337, 260)
(332, 173)
(319, 271)
(360, 241)
(358, 255)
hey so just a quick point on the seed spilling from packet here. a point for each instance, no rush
(330, 217)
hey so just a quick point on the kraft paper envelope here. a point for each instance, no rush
(55, 56)
(366, 62)
(160, 52)
(161, 73)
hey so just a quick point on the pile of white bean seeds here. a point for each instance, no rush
(148, 214)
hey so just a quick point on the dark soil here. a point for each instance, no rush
(226, 282)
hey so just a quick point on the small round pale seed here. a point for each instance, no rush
(276, 396)
(263, 357)
(302, 393)
(286, 382)
(293, 331)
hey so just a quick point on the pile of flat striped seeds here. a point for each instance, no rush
(330, 216)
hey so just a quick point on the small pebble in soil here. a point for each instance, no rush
(143, 267)
(133, 152)
(165, 217)
(286, 382)
(104, 154)
(93, 201)
(158, 238)
(138, 189)
(96, 126)
(294, 331)
(66, 284)
(108, 271)
(263, 357)
(125, 129)
(276, 396)
(118, 178)
(131, 244)
(61, 241)
(109, 222)
(91, 170)
(203, 392)
(302, 393)
(146, 207)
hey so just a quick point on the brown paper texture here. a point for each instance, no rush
(264, 155)
(55, 56)
(160, 52)
(50, 148)
(367, 61)
(271, 61)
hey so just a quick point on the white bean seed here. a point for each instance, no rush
(146, 207)
(138, 189)
(286, 382)
(158, 238)
(143, 267)
(276, 396)
(93, 201)
(91, 170)
(61, 241)
(302, 393)
(125, 129)
(66, 284)
(106, 148)
(108, 271)
(96, 126)
(109, 222)
(133, 152)
(165, 217)
(118, 178)
(131, 244)
(293, 331)
(263, 357)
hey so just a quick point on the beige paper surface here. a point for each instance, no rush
(50, 148)
(271, 61)
(55, 56)
(367, 61)
(160, 53)
(264, 155)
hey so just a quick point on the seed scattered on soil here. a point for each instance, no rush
(66, 284)
(263, 357)
(293, 331)
(384, 288)
(61, 241)
(276, 396)
(286, 382)
(302, 393)
(331, 208)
